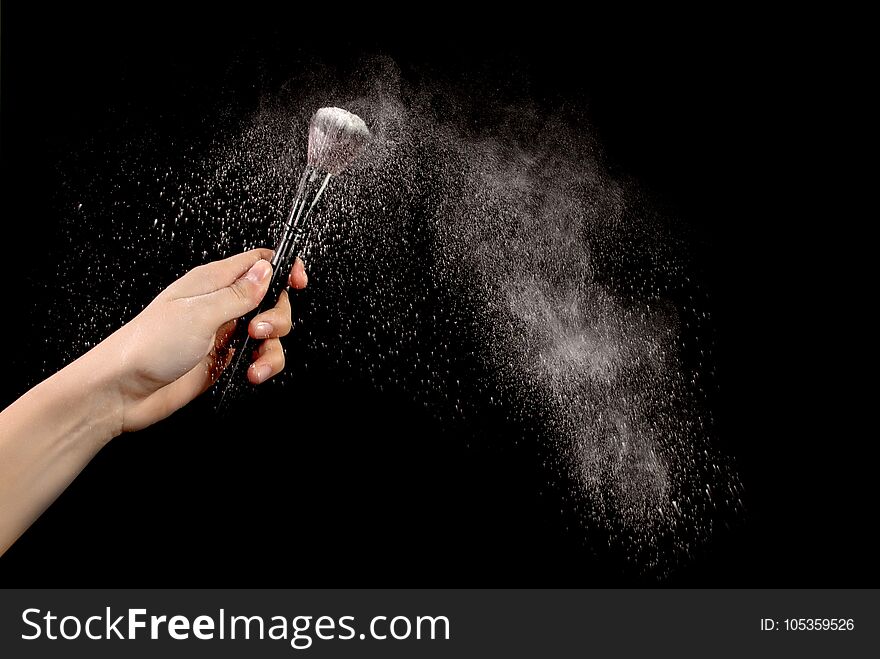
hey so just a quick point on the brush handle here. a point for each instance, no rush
(241, 341)
(310, 190)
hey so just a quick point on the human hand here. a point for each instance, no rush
(166, 356)
(176, 348)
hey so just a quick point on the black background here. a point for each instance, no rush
(711, 120)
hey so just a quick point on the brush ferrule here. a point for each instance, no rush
(311, 187)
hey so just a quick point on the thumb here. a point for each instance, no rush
(242, 295)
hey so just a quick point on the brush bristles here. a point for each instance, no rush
(336, 137)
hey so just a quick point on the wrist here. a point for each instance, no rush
(97, 379)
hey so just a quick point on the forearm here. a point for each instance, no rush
(48, 435)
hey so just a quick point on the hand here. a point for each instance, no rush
(176, 348)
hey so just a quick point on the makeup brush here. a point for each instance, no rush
(336, 138)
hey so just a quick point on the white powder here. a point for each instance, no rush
(510, 234)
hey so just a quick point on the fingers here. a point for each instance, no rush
(213, 276)
(277, 321)
(298, 278)
(237, 298)
(273, 323)
(269, 362)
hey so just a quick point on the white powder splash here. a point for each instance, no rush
(505, 266)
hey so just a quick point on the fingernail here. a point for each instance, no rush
(261, 371)
(263, 330)
(259, 271)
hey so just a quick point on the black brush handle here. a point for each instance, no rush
(235, 375)
(311, 188)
